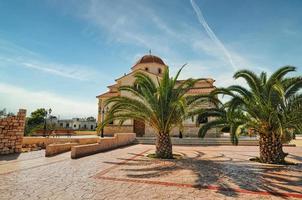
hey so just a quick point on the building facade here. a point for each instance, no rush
(154, 67)
(76, 124)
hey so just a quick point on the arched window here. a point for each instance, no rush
(159, 70)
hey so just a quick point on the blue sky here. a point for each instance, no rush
(61, 54)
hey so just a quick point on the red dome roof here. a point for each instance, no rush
(150, 59)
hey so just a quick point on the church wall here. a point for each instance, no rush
(188, 131)
(152, 67)
(112, 129)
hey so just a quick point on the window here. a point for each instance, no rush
(67, 125)
(91, 127)
(61, 124)
(85, 126)
(202, 120)
(147, 69)
(74, 126)
(159, 70)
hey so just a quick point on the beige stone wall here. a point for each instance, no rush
(152, 67)
(11, 133)
(54, 149)
(110, 130)
(188, 131)
(43, 141)
(119, 139)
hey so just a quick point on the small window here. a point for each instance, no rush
(61, 124)
(147, 69)
(67, 125)
(91, 127)
(85, 126)
(74, 126)
(159, 70)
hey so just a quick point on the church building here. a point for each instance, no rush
(154, 67)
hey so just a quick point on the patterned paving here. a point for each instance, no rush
(221, 172)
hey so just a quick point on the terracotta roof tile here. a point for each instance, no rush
(201, 90)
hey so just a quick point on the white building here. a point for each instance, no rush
(77, 124)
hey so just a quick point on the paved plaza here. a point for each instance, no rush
(209, 172)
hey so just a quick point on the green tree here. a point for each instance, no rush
(35, 121)
(222, 118)
(161, 104)
(270, 107)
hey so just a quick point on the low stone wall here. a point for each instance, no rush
(85, 132)
(44, 141)
(110, 129)
(11, 133)
(119, 139)
(54, 132)
(54, 149)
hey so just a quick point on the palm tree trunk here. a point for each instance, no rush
(164, 146)
(271, 149)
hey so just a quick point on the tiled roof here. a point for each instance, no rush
(201, 90)
(150, 59)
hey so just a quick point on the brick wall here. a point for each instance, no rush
(11, 133)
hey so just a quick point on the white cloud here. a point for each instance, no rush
(60, 70)
(13, 97)
(211, 34)
(22, 57)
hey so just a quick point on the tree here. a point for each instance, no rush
(91, 119)
(163, 105)
(35, 121)
(3, 112)
(222, 118)
(270, 107)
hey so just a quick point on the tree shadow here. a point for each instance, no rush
(10, 157)
(299, 158)
(227, 174)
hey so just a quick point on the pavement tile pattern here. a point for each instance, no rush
(213, 172)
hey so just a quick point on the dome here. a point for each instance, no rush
(150, 59)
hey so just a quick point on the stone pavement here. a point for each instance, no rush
(213, 172)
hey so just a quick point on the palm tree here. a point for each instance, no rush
(270, 107)
(222, 118)
(161, 104)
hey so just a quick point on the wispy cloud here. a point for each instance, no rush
(211, 34)
(12, 97)
(16, 55)
(174, 42)
(60, 70)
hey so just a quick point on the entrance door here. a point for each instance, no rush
(139, 128)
